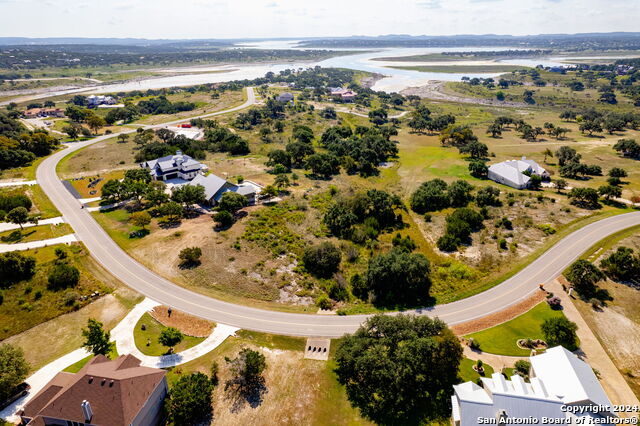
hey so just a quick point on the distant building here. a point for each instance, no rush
(103, 392)
(285, 97)
(215, 187)
(344, 95)
(43, 112)
(514, 173)
(558, 380)
(174, 166)
(94, 101)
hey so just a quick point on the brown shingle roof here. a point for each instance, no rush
(116, 390)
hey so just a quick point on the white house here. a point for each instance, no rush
(562, 387)
(174, 166)
(515, 173)
(95, 100)
(215, 187)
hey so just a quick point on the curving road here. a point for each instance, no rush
(135, 275)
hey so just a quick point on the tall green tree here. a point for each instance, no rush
(19, 216)
(96, 338)
(189, 400)
(170, 336)
(584, 276)
(13, 369)
(559, 331)
(400, 369)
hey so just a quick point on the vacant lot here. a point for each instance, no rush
(99, 158)
(617, 325)
(29, 303)
(42, 206)
(298, 391)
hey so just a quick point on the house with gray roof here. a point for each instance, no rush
(515, 173)
(561, 387)
(174, 166)
(214, 187)
(285, 97)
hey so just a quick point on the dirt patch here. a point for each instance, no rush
(434, 90)
(187, 324)
(499, 317)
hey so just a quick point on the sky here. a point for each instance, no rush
(304, 18)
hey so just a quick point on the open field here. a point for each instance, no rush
(617, 324)
(502, 339)
(204, 105)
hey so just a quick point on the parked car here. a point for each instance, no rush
(22, 390)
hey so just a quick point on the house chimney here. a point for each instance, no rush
(178, 152)
(86, 410)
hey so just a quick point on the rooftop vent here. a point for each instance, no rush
(86, 410)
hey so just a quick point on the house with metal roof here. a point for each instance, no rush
(215, 186)
(515, 173)
(103, 392)
(174, 166)
(561, 387)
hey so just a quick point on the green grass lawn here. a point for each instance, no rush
(77, 366)
(151, 334)
(501, 339)
(35, 233)
(468, 374)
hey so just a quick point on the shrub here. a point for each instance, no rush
(190, 256)
(448, 243)
(522, 367)
(15, 267)
(322, 259)
(63, 276)
(554, 302)
(324, 303)
(224, 218)
(559, 331)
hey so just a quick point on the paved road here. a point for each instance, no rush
(114, 259)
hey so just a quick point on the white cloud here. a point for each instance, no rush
(297, 18)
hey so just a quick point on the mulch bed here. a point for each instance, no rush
(499, 317)
(187, 324)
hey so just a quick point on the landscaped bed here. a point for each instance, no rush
(147, 339)
(502, 339)
(467, 372)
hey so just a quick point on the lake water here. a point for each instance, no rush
(394, 80)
